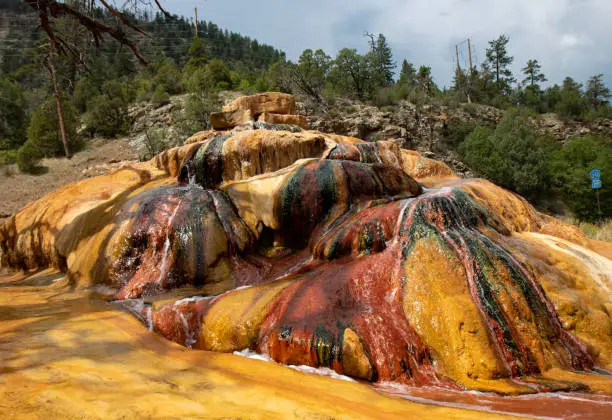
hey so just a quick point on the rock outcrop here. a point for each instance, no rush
(329, 251)
(432, 128)
(270, 108)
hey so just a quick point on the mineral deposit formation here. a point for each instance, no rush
(329, 251)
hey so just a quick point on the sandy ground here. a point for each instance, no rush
(98, 157)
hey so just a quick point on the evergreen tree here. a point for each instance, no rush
(570, 167)
(13, 117)
(407, 75)
(44, 128)
(534, 75)
(597, 93)
(572, 103)
(381, 60)
(498, 64)
(425, 79)
(278, 76)
(197, 53)
(460, 84)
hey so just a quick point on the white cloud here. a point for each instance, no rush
(569, 41)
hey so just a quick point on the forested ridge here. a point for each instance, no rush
(100, 84)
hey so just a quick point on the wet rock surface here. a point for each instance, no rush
(331, 252)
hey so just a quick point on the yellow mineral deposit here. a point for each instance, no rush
(351, 259)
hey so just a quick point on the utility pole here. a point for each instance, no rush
(196, 22)
(599, 207)
(470, 54)
(457, 58)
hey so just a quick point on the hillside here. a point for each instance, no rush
(540, 142)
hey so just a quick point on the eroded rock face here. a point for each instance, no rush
(325, 250)
(268, 108)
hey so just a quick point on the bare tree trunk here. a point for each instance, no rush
(58, 101)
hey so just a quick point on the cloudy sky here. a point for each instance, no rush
(568, 37)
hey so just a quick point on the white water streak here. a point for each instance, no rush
(166, 251)
(321, 371)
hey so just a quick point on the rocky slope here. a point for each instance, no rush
(429, 128)
(328, 251)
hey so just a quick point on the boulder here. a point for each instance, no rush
(226, 120)
(287, 119)
(424, 169)
(273, 102)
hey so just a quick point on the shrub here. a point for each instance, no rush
(387, 96)
(13, 116)
(167, 74)
(513, 155)
(456, 132)
(195, 116)
(107, 113)
(471, 109)
(571, 106)
(44, 129)
(155, 141)
(600, 232)
(8, 157)
(84, 91)
(202, 100)
(245, 87)
(28, 156)
(570, 168)
(160, 97)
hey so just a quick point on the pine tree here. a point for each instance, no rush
(597, 93)
(383, 63)
(571, 103)
(198, 56)
(407, 75)
(533, 71)
(498, 64)
(425, 80)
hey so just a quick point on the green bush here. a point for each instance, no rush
(571, 106)
(107, 113)
(8, 157)
(155, 141)
(84, 91)
(456, 132)
(570, 168)
(203, 87)
(245, 87)
(13, 115)
(160, 97)
(386, 96)
(195, 116)
(513, 155)
(167, 74)
(44, 129)
(28, 156)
